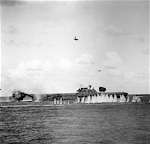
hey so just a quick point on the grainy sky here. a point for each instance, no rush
(39, 53)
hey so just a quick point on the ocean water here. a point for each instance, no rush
(76, 124)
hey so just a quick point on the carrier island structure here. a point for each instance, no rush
(87, 95)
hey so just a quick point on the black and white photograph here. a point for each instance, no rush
(74, 72)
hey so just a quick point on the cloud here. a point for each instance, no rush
(115, 31)
(10, 29)
(110, 67)
(112, 30)
(85, 59)
(129, 75)
(36, 76)
(12, 2)
(65, 64)
(112, 64)
(27, 68)
(115, 72)
(113, 60)
(33, 76)
(20, 2)
(146, 50)
(135, 76)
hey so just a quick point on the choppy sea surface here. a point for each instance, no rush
(76, 124)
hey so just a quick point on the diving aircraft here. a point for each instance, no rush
(99, 70)
(75, 38)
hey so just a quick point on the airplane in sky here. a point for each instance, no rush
(99, 70)
(75, 38)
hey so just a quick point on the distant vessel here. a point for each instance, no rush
(83, 96)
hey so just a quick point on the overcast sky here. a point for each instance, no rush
(40, 55)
